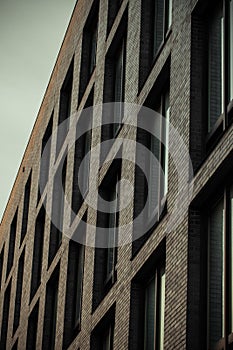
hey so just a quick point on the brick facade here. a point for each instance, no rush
(181, 248)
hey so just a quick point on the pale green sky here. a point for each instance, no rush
(31, 33)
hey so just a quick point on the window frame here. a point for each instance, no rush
(105, 327)
(19, 291)
(58, 208)
(5, 315)
(1, 265)
(230, 52)
(163, 157)
(89, 46)
(46, 145)
(211, 17)
(93, 46)
(109, 186)
(65, 107)
(50, 312)
(118, 45)
(38, 247)
(108, 337)
(208, 138)
(152, 101)
(74, 286)
(26, 207)
(147, 35)
(82, 147)
(113, 218)
(225, 193)
(151, 268)
(12, 243)
(104, 281)
(157, 307)
(120, 60)
(32, 325)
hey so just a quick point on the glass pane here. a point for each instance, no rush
(158, 25)
(231, 50)
(93, 44)
(231, 253)
(215, 67)
(165, 154)
(216, 274)
(54, 304)
(86, 160)
(153, 183)
(107, 340)
(161, 310)
(79, 281)
(149, 329)
(119, 87)
(112, 229)
(168, 14)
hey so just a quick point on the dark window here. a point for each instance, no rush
(154, 308)
(119, 85)
(50, 317)
(57, 209)
(108, 218)
(113, 7)
(65, 106)
(82, 153)
(1, 265)
(156, 19)
(230, 63)
(157, 184)
(103, 335)
(89, 47)
(114, 80)
(26, 207)
(112, 194)
(38, 252)
(45, 156)
(19, 290)
(150, 193)
(93, 49)
(215, 66)
(219, 254)
(5, 317)
(148, 307)
(32, 328)
(211, 72)
(107, 340)
(11, 249)
(216, 274)
(74, 285)
(210, 322)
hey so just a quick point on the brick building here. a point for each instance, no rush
(168, 288)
